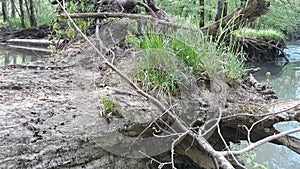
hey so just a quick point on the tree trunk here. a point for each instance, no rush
(247, 13)
(27, 9)
(4, 11)
(201, 18)
(221, 9)
(32, 15)
(13, 8)
(22, 13)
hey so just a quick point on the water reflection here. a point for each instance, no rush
(17, 57)
(279, 157)
(285, 80)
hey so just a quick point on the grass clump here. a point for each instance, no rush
(167, 59)
(262, 33)
(157, 70)
(107, 109)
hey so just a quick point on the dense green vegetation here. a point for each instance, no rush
(19, 14)
(190, 9)
(283, 15)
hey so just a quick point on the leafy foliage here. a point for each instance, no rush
(190, 9)
(44, 13)
(63, 31)
(283, 16)
(249, 157)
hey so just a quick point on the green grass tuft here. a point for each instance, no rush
(263, 33)
(167, 59)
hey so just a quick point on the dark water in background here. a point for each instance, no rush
(285, 80)
(17, 57)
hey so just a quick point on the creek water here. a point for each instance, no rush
(8, 57)
(285, 80)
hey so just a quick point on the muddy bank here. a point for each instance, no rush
(49, 118)
(25, 33)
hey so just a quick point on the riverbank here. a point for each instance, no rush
(54, 118)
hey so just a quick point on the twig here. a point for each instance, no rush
(260, 142)
(97, 32)
(161, 165)
(214, 126)
(227, 147)
(173, 147)
(252, 126)
(140, 135)
(262, 115)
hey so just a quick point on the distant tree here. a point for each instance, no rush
(201, 22)
(22, 13)
(32, 15)
(4, 11)
(221, 9)
(30, 12)
(13, 8)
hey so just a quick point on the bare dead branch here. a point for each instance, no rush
(140, 135)
(262, 115)
(214, 126)
(260, 142)
(227, 147)
(173, 147)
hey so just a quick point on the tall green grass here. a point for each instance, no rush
(261, 33)
(166, 58)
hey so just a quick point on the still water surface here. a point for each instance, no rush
(285, 80)
(17, 57)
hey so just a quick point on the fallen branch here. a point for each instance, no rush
(104, 15)
(260, 142)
